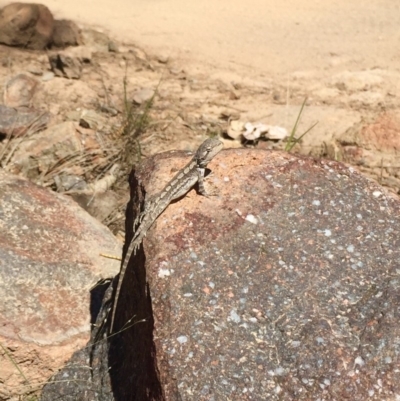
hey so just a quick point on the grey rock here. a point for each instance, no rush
(68, 63)
(40, 152)
(35, 68)
(284, 287)
(96, 40)
(65, 66)
(19, 91)
(16, 122)
(48, 76)
(67, 182)
(163, 58)
(113, 47)
(143, 95)
(66, 33)
(91, 119)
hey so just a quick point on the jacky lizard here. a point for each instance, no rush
(183, 181)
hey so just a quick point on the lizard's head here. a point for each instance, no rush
(207, 150)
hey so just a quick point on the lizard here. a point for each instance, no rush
(182, 182)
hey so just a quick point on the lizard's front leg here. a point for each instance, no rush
(201, 179)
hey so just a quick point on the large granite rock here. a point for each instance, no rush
(285, 286)
(49, 261)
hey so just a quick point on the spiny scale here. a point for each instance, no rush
(183, 181)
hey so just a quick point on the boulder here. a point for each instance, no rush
(26, 25)
(49, 261)
(66, 33)
(283, 286)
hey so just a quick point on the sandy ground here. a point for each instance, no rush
(253, 38)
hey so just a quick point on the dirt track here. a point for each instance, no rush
(252, 38)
